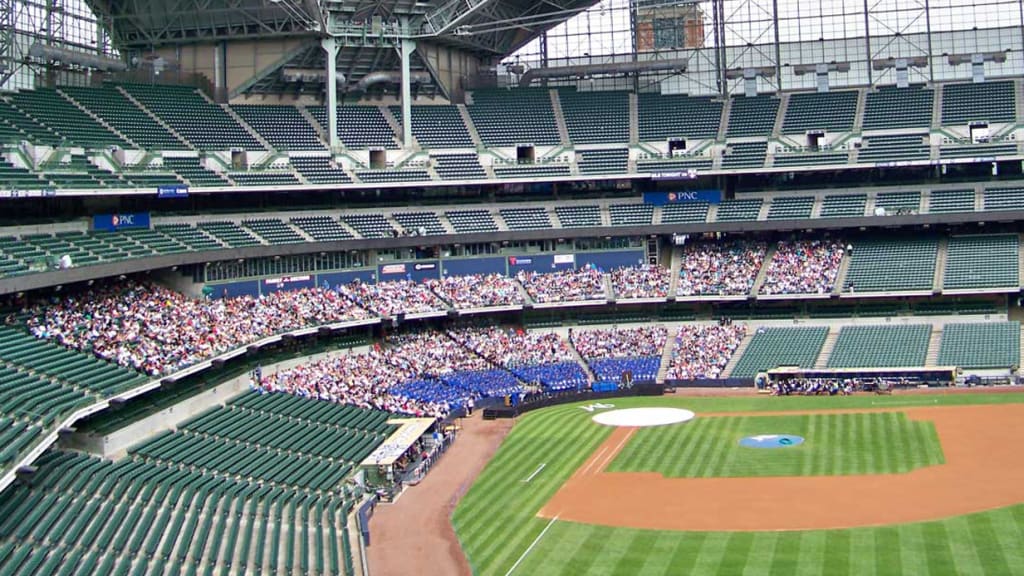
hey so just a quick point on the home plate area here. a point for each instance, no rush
(643, 417)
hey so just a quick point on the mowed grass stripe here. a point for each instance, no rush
(787, 554)
(862, 553)
(910, 544)
(811, 561)
(964, 546)
(835, 444)
(737, 553)
(711, 552)
(1006, 526)
(886, 554)
(761, 554)
(837, 553)
(658, 559)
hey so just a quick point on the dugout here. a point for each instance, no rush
(893, 377)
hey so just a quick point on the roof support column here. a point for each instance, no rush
(406, 49)
(330, 46)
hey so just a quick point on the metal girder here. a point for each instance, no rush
(450, 15)
(281, 62)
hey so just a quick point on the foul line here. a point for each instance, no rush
(586, 469)
(527, 551)
(535, 472)
(615, 451)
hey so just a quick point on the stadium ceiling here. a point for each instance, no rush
(368, 31)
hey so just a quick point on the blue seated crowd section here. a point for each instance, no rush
(554, 377)
(643, 369)
(457, 388)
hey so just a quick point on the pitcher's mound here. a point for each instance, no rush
(644, 417)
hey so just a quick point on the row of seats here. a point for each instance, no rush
(179, 117)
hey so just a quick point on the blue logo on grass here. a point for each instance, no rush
(771, 441)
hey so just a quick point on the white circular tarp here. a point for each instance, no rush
(644, 417)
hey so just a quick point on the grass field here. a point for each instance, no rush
(497, 525)
(867, 443)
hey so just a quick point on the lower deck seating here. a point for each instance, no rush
(987, 345)
(886, 265)
(881, 346)
(773, 347)
(975, 262)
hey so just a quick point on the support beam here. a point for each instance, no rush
(330, 46)
(407, 48)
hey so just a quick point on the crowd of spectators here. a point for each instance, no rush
(703, 351)
(155, 330)
(803, 267)
(477, 290)
(620, 342)
(641, 282)
(393, 297)
(535, 357)
(564, 286)
(719, 268)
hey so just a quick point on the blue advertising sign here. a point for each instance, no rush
(111, 222)
(172, 191)
(659, 198)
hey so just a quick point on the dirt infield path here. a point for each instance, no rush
(983, 470)
(415, 535)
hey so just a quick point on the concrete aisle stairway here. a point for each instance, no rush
(677, 261)
(740, 350)
(844, 267)
(763, 272)
(579, 360)
(940, 265)
(826, 348)
(934, 345)
(563, 131)
(666, 356)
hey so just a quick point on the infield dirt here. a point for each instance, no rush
(983, 470)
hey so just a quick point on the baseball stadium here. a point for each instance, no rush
(511, 287)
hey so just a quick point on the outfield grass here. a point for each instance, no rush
(836, 444)
(496, 520)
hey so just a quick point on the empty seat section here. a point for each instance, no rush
(50, 108)
(422, 223)
(976, 262)
(531, 170)
(844, 205)
(525, 218)
(891, 265)
(808, 157)
(18, 123)
(881, 346)
(359, 127)
(322, 228)
(943, 201)
(578, 216)
(118, 111)
(193, 171)
(458, 167)
(190, 236)
(978, 102)
(899, 202)
(229, 233)
(891, 107)
(684, 212)
(1004, 199)
(773, 347)
(832, 111)
(739, 209)
(631, 214)
(283, 126)
(663, 117)
(595, 117)
(17, 178)
(672, 163)
(968, 149)
(745, 155)
(614, 161)
(206, 125)
(274, 231)
(786, 208)
(264, 178)
(437, 126)
(370, 225)
(392, 175)
(517, 116)
(752, 116)
(319, 170)
(894, 148)
(471, 221)
(982, 345)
